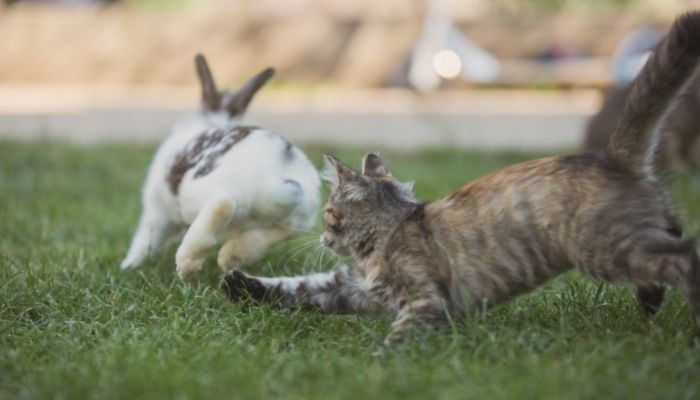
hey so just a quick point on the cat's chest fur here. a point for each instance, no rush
(411, 258)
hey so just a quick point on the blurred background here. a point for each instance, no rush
(400, 74)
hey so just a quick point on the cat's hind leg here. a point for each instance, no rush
(245, 248)
(202, 235)
(153, 229)
(650, 297)
(685, 274)
(654, 257)
(676, 262)
(691, 287)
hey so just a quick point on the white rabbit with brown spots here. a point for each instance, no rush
(213, 177)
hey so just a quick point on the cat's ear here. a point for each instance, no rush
(243, 96)
(349, 185)
(373, 167)
(336, 172)
(210, 96)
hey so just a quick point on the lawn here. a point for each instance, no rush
(73, 326)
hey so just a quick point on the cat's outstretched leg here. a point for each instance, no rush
(153, 229)
(201, 236)
(337, 291)
(245, 248)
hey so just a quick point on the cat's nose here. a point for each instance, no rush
(326, 242)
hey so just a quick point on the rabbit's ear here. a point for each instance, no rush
(241, 98)
(210, 96)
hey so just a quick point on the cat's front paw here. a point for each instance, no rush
(187, 265)
(238, 286)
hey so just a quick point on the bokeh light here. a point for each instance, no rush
(447, 64)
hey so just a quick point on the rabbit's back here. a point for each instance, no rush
(267, 178)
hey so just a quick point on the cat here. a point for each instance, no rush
(679, 148)
(508, 232)
(213, 176)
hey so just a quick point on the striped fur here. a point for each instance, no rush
(666, 73)
(510, 231)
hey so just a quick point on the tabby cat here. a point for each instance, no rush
(502, 235)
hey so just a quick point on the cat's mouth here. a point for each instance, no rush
(327, 242)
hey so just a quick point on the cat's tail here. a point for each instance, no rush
(666, 73)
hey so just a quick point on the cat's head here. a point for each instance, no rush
(232, 102)
(363, 207)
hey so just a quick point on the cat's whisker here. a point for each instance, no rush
(307, 263)
(321, 252)
(293, 252)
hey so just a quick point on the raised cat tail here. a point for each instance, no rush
(666, 73)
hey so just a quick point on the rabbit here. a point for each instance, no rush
(214, 177)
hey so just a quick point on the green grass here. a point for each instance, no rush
(73, 326)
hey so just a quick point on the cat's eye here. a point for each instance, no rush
(332, 218)
(332, 212)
